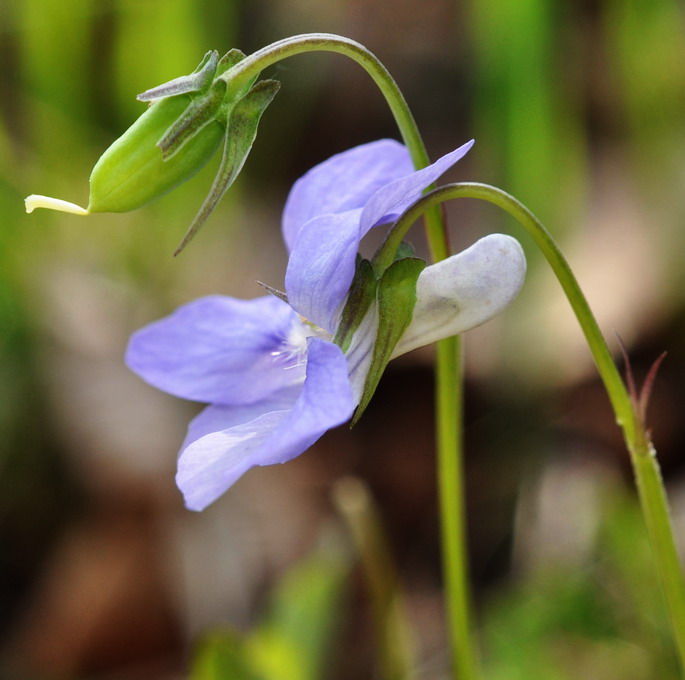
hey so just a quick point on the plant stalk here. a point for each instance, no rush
(651, 491)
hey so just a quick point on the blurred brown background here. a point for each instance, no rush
(578, 109)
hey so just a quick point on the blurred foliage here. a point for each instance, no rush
(294, 639)
(525, 111)
(607, 620)
(560, 96)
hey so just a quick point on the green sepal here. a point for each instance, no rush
(405, 250)
(396, 298)
(229, 60)
(201, 110)
(362, 294)
(207, 65)
(197, 81)
(188, 113)
(233, 95)
(241, 131)
(209, 104)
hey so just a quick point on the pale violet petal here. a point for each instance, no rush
(322, 261)
(321, 267)
(223, 443)
(221, 350)
(464, 291)
(217, 418)
(218, 447)
(389, 202)
(344, 182)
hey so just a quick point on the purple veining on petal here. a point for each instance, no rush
(273, 389)
(321, 267)
(221, 350)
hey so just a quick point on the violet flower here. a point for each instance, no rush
(273, 378)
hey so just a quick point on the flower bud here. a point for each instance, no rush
(188, 119)
(133, 171)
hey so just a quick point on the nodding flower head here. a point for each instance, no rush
(269, 370)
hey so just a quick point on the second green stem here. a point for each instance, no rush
(652, 493)
(451, 493)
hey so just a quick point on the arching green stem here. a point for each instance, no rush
(648, 477)
(252, 65)
(448, 366)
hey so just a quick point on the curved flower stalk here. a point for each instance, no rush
(273, 370)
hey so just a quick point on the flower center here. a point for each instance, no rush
(292, 351)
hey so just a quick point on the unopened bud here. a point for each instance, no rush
(188, 119)
(133, 171)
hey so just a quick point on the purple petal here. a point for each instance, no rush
(389, 202)
(321, 267)
(343, 182)
(322, 261)
(222, 350)
(223, 443)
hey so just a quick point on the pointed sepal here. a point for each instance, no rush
(274, 291)
(229, 60)
(361, 296)
(396, 298)
(197, 81)
(188, 113)
(201, 111)
(404, 250)
(240, 135)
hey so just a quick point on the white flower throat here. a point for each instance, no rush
(292, 351)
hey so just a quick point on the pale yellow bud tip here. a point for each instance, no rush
(35, 201)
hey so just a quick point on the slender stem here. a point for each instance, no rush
(255, 63)
(610, 375)
(448, 364)
(650, 485)
(452, 503)
(655, 509)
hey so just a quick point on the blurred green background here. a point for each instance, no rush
(578, 109)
